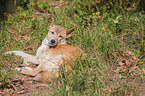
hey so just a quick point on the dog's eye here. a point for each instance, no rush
(52, 32)
(60, 36)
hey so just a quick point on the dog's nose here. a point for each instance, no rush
(52, 41)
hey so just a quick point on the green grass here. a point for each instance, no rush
(105, 42)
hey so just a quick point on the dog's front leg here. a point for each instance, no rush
(17, 53)
(27, 57)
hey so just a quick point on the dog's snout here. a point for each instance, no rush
(52, 41)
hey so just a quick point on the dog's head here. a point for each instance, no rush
(57, 34)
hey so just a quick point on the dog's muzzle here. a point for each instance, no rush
(52, 42)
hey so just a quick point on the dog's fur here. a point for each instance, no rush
(52, 53)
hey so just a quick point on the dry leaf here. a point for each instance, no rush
(7, 92)
(127, 63)
(131, 74)
(136, 67)
(29, 82)
(20, 92)
(134, 58)
(121, 63)
(128, 53)
(29, 49)
(26, 37)
(103, 28)
(43, 85)
(118, 69)
(130, 8)
(124, 69)
(20, 86)
(38, 85)
(14, 87)
(15, 80)
(66, 88)
(124, 76)
(143, 70)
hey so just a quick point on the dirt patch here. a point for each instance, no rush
(22, 85)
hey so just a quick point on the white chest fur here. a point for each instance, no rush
(42, 48)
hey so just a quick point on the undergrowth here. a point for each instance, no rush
(113, 41)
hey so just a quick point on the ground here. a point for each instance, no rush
(23, 85)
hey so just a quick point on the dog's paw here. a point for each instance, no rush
(27, 68)
(9, 53)
(18, 69)
(26, 62)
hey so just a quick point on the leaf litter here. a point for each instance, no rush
(19, 84)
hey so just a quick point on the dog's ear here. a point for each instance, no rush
(69, 32)
(52, 23)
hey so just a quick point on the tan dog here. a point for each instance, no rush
(52, 53)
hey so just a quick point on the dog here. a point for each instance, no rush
(53, 53)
